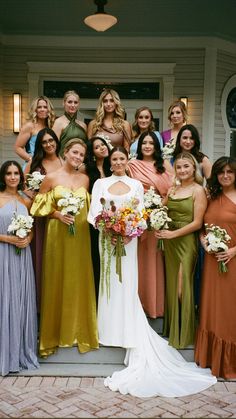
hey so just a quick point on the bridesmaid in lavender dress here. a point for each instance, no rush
(18, 320)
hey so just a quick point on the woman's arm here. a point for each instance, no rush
(206, 167)
(127, 135)
(46, 184)
(58, 127)
(16, 241)
(90, 129)
(168, 166)
(21, 141)
(200, 205)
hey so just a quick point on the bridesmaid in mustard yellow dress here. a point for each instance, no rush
(68, 306)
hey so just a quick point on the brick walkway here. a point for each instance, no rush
(74, 397)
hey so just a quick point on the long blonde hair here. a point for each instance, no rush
(33, 111)
(197, 172)
(119, 113)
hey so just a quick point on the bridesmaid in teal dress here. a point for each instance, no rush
(41, 115)
(68, 303)
(187, 203)
(68, 126)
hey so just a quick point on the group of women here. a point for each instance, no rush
(80, 162)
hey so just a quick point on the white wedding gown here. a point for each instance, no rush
(153, 367)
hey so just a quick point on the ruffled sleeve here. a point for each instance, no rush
(44, 204)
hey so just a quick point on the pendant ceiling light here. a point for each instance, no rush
(100, 21)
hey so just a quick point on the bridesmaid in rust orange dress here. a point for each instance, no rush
(151, 170)
(216, 335)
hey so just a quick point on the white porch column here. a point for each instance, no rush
(209, 99)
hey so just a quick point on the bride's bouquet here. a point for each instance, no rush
(72, 205)
(126, 221)
(157, 213)
(216, 239)
(20, 226)
(34, 180)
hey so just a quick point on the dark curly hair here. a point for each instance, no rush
(213, 185)
(196, 148)
(157, 155)
(91, 165)
(39, 152)
(3, 171)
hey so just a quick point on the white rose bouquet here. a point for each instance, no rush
(216, 239)
(156, 213)
(20, 226)
(34, 180)
(152, 199)
(70, 204)
(168, 149)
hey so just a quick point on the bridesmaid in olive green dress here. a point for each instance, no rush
(68, 126)
(187, 203)
(68, 304)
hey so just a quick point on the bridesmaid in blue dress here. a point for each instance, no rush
(18, 319)
(41, 115)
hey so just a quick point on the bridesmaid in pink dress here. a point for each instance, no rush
(150, 169)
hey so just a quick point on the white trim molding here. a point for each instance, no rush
(229, 85)
(126, 72)
(209, 100)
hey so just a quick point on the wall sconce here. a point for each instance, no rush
(185, 100)
(100, 21)
(16, 112)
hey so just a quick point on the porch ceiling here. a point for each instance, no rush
(135, 18)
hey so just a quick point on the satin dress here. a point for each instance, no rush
(72, 130)
(151, 283)
(216, 335)
(179, 319)
(18, 315)
(68, 304)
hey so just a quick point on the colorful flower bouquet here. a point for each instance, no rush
(157, 213)
(126, 221)
(216, 239)
(34, 180)
(72, 205)
(20, 226)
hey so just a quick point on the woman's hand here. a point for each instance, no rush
(164, 234)
(64, 218)
(126, 240)
(226, 256)
(19, 242)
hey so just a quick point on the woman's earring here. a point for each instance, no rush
(94, 158)
(111, 169)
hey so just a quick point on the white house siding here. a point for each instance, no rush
(188, 73)
(226, 67)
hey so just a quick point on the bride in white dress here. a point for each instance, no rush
(153, 367)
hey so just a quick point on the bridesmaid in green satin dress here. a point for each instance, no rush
(187, 204)
(68, 304)
(68, 126)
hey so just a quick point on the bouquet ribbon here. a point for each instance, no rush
(118, 252)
